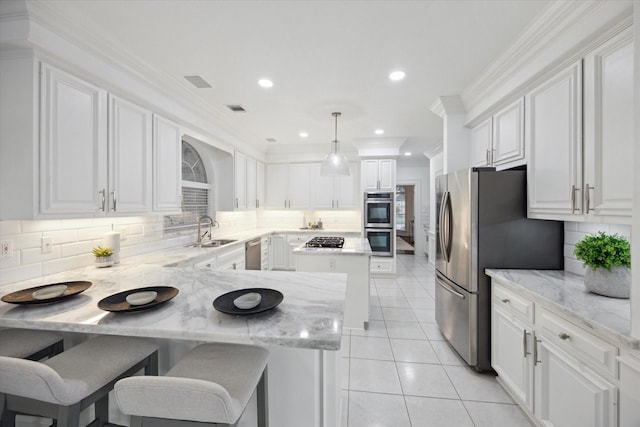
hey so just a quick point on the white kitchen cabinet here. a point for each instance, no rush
(630, 389)
(499, 140)
(511, 349)
(73, 146)
(240, 180)
(252, 183)
(570, 394)
(608, 129)
(167, 166)
(288, 186)
(382, 266)
(231, 258)
(260, 185)
(553, 138)
(378, 174)
(264, 252)
(293, 241)
(335, 192)
(279, 252)
(130, 158)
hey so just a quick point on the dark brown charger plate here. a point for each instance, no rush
(270, 299)
(118, 302)
(25, 296)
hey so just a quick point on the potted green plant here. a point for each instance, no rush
(608, 262)
(104, 256)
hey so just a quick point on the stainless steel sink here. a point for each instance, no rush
(215, 243)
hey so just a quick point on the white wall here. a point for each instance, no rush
(576, 231)
(416, 172)
(435, 169)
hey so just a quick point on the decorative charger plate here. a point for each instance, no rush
(25, 296)
(118, 302)
(270, 299)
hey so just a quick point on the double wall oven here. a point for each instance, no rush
(378, 222)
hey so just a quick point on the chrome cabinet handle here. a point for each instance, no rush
(337, 204)
(506, 300)
(113, 197)
(535, 351)
(587, 198)
(573, 198)
(493, 156)
(103, 192)
(236, 203)
(564, 336)
(524, 343)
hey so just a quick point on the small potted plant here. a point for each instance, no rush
(104, 256)
(608, 262)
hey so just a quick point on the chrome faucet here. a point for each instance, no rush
(211, 223)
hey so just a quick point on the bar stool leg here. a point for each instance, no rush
(136, 421)
(102, 410)
(263, 402)
(8, 418)
(152, 367)
(68, 416)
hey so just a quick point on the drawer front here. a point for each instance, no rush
(231, 256)
(381, 266)
(513, 303)
(579, 343)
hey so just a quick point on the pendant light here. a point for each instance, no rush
(335, 163)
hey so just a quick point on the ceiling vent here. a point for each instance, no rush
(236, 108)
(198, 82)
(271, 140)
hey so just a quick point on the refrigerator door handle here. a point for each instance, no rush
(449, 230)
(441, 226)
(447, 287)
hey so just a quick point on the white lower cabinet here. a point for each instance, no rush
(560, 374)
(630, 390)
(279, 252)
(231, 258)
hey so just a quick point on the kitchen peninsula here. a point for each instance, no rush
(303, 332)
(352, 256)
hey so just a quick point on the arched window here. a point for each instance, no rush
(196, 189)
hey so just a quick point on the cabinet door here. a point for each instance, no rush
(347, 194)
(553, 140)
(609, 121)
(129, 158)
(481, 144)
(508, 134)
(277, 176)
(260, 185)
(167, 165)
(300, 186)
(252, 194)
(324, 194)
(240, 180)
(279, 252)
(570, 394)
(73, 145)
(511, 343)
(387, 174)
(370, 175)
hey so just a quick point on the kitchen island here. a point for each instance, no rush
(353, 258)
(303, 333)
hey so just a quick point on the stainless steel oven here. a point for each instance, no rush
(378, 210)
(380, 240)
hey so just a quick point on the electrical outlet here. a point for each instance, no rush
(46, 245)
(332, 264)
(6, 249)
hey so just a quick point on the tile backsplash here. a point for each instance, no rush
(576, 231)
(73, 240)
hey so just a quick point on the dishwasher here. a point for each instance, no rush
(252, 255)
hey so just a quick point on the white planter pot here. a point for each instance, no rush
(615, 283)
(104, 261)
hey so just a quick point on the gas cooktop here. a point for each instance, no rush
(325, 242)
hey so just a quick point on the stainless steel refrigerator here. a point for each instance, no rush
(482, 223)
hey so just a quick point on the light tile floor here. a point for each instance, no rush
(401, 372)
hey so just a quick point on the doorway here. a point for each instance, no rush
(405, 219)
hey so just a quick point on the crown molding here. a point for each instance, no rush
(434, 151)
(448, 105)
(378, 147)
(569, 29)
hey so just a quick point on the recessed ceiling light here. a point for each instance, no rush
(265, 83)
(397, 75)
(408, 153)
(304, 134)
(379, 131)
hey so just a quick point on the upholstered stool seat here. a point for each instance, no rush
(212, 384)
(29, 344)
(64, 385)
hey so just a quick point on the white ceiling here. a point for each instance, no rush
(323, 56)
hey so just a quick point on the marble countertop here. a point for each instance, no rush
(310, 316)
(564, 293)
(352, 246)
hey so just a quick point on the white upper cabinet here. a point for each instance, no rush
(608, 129)
(73, 146)
(379, 174)
(167, 166)
(260, 185)
(252, 182)
(240, 180)
(481, 144)
(288, 186)
(553, 137)
(335, 192)
(130, 173)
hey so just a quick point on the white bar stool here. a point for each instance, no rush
(30, 344)
(64, 385)
(210, 386)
